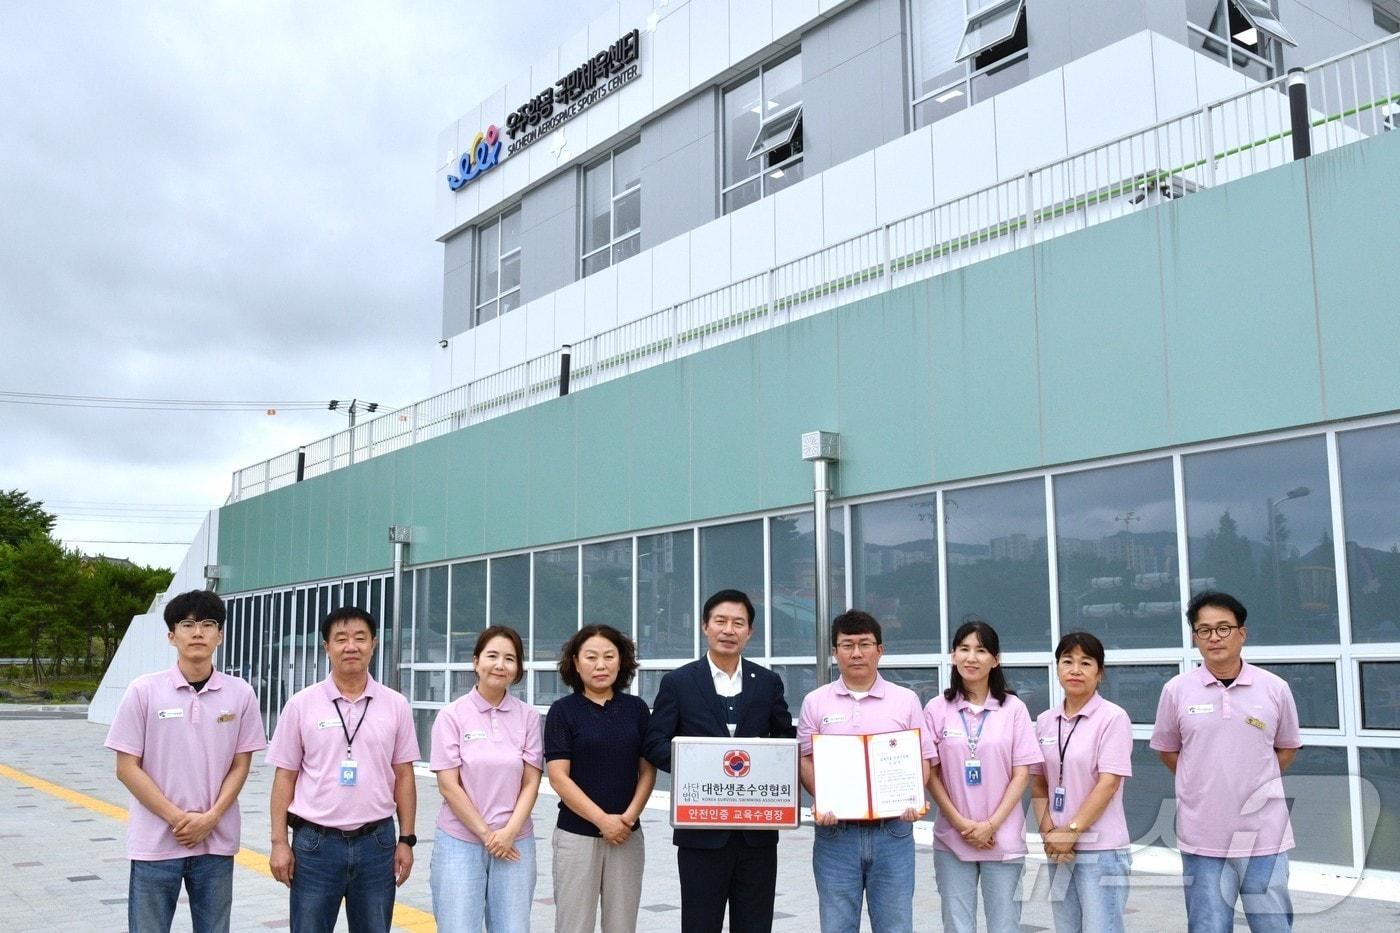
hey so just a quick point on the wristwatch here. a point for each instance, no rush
(410, 840)
(1074, 826)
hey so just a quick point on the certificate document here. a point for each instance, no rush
(868, 777)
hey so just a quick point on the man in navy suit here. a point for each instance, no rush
(722, 695)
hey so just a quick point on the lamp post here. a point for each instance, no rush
(1296, 492)
(821, 449)
(399, 536)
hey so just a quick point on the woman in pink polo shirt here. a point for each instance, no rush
(986, 746)
(488, 756)
(1077, 793)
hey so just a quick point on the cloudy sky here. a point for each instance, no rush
(221, 201)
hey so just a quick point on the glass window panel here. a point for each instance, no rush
(1117, 553)
(462, 683)
(549, 686)
(486, 312)
(597, 262)
(1380, 695)
(742, 195)
(666, 595)
(430, 686)
(648, 682)
(938, 29)
(1149, 802)
(607, 584)
(1381, 766)
(1032, 685)
(987, 29)
(798, 681)
(628, 213)
(488, 258)
(626, 248)
(510, 593)
(1001, 78)
(742, 115)
(510, 302)
(1371, 510)
(468, 617)
(1137, 687)
(510, 232)
(556, 602)
(922, 680)
(895, 572)
(423, 725)
(627, 167)
(386, 625)
(945, 103)
(776, 133)
(1259, 526)
(1261, 16)
(510, 273)
(1314, 692)
(780, 178)
(430, 614)
(1318, 791)
(731, 557)
(782, 85)
(597, 206)
(793, 577)
(1204, 13)
(997, 567)
(362, 593)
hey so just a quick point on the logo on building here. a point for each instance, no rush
(482, 154)
(736, 763)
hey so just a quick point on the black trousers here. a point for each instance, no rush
(740, 876)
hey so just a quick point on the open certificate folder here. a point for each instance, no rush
(868, 777)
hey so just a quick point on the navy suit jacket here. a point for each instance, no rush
(687, 704)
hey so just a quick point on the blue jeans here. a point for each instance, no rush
(470, 886)
(876, 861)
(1214, 884)
(329, 867)
(958, 882)
(1091, 892)
(155, 887)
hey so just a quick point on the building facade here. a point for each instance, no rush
(1092, 338)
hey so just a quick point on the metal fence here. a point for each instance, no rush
(1352, 97)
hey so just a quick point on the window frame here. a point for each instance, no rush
(1231, 51)
(968, 49)
(614, 239)
(758, 169)
(964, 85)
(478, 300)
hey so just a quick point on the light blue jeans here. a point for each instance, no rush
(1091, 892)
(1213, 885)
(877, 861)
(154, 889)
(470, 887)
(958, 882)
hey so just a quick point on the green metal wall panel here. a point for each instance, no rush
(659, 444)
(463, 518)
(796, 371)
(724, 430)
(504, 517)
(603, 469)
(548, 484)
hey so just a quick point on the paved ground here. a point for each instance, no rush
(62, 867)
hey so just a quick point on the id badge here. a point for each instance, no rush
(1058, 801)
(972, 772)
(348, 773)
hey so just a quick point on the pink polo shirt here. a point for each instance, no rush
(1007, 740)
(832, 710)
(186, 742)
(1229, 793)
(490, 747)
(310, 740)
(1096, 740)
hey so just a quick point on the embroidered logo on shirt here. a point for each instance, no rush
(1200, 708)
(226, 716)
(1256, 723)
(473, 735)
(177, 713)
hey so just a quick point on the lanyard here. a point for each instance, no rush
(1063, 741)
(973, 737)
(349, 737)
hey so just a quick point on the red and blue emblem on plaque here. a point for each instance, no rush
(736, 763)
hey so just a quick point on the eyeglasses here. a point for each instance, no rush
(1223, 631)
(207, 626)
(849, 646)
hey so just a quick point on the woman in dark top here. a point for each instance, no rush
(593, 756)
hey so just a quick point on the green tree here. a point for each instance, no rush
(39, 599)
(21, 518)
(110, 594)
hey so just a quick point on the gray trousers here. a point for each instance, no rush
(587, 869)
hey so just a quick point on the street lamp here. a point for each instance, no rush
(1297, 492)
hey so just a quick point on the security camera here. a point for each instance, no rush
(443, 343)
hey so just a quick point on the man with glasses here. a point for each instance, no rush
(722, 695)
(1228, 730)
(852, 859)
(184, 740)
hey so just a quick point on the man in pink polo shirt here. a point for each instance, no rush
(344, 751)
(1228, 730)
(855, 858)
(184, 740)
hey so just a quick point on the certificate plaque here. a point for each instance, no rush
(735, 783)
(869, 777)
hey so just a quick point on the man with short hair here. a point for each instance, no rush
(1228, 730)
(871, 858)
(184, 740)
(722, 695)
(344, 751)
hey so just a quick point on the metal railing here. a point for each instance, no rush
(1351, 97)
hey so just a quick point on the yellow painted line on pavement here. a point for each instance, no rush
(405, 917)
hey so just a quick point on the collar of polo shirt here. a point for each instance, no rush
(332, 692)
(877, 689)
(177, 679)
(1244, 678)
(482, 704)
(1088, 709)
